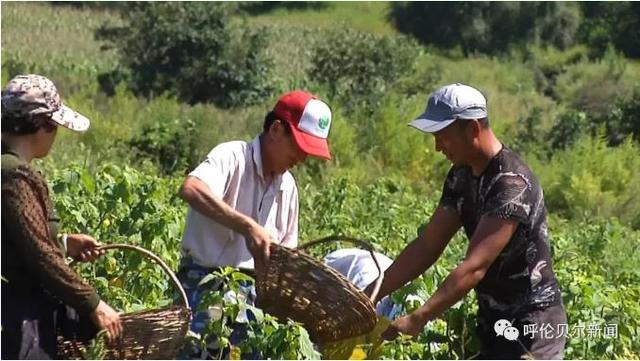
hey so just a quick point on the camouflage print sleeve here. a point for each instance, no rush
(451, 194)
(509, 196)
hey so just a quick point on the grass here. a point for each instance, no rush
(369, 16)
(40, 31)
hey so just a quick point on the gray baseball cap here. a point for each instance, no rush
(29, 95)
(451, 102)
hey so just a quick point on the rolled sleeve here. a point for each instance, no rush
(216, 169)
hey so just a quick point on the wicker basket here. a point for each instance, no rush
(297, 286)
(151, 334)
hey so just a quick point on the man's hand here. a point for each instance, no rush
(199, 196)
(258, 243)
(108, 319)
(409, 325)
(82, 247)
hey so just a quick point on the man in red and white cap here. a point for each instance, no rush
(242, 197)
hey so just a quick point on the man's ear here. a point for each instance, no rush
(277, 126)
(273, 128)
(475, 128)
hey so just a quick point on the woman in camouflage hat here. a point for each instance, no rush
(37, 284)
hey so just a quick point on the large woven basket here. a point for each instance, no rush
(151, 334)
(297, 286)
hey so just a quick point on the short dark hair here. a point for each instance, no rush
(484, 122)
(269, 119)
(20, 125)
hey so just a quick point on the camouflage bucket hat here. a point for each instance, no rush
(29, 95)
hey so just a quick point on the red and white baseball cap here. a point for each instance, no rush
(310, 120)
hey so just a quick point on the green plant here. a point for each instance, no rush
(198, 55)
(590, 179)
(489, 27)
(593, 259)
(361, 67)
(614, 23)
(121, 205)
(172, 145)
(265, 336)
(96, 349)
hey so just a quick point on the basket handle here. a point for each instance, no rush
(359, 242)
(158, 260)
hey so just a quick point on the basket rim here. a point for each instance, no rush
(268, 290)
(145, 252)
(356, 241)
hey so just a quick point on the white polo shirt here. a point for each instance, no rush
(233, 172)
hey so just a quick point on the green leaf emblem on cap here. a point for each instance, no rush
(323, 122)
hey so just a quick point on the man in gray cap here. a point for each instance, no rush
(493, 195)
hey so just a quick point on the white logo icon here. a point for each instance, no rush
(504, 328)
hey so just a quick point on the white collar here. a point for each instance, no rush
(256, 153)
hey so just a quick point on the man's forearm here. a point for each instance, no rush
(216, 209)
(422, 252)
(457, 285)
(416, 258)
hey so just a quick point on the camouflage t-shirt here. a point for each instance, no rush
(521, 279)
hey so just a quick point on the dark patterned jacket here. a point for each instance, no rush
(33, 260)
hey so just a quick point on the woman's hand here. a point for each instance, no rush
(106, 318)
(83, 248)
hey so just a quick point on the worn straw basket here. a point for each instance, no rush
(152, 334)
(297, 286)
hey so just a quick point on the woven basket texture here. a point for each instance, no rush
(297, 286)
(151, 334)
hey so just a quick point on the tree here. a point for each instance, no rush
(488, 27)
(617, 23)
(193, 51)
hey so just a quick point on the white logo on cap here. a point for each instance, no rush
(316, 119)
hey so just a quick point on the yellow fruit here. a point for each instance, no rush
(358, 354)
(351, 348)
(234, 353)
(111, 265)
(116, 282)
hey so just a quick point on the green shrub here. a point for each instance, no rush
(549, 62)
(623, 119)
(193, 51)
(569, 127)
(359, 68)
(170, 144)
(590, 179)
(594, 263)
(620, 121)
(593, 87)
(616, 23)
(488, 27)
